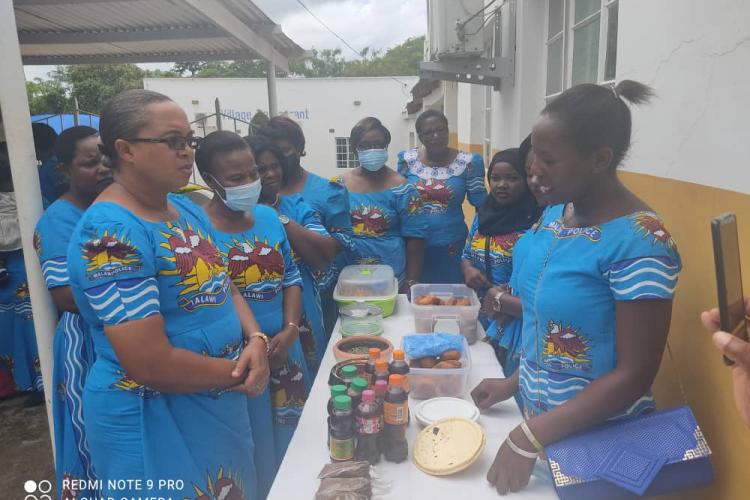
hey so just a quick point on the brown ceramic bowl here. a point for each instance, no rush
(356, 347)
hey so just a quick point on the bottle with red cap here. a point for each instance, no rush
(396, 415)
(369, 426)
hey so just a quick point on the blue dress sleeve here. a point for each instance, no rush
(51, 239)
(337, 219)
(647, 264)
(476, 191)
(467, 247)
(292, 276)
(411, 212)
(306, 217)
(116, 269)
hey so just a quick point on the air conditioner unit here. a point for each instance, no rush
(456, 28)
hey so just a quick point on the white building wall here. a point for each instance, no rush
(325, 108)
(696, 55)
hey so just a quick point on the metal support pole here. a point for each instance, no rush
(17, 122)
(217, 106)
(76, 112)
(273, 105)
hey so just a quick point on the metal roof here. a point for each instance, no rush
(120, 31)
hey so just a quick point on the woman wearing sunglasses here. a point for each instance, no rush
(444, 177)
(177, 348)
(386, 211)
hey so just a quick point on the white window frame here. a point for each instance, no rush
(567, 35)
(345, 158)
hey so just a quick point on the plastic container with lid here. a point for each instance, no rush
(426, 383)
(427, 316)
(360, 319)
(372, 284)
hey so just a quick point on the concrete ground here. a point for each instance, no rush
(26, 449)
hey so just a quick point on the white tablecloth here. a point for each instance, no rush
(297, 477)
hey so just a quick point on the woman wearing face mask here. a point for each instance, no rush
(252, 240)
(177, 348)
(306, 236)
(386, 211)
(504, 217)
(443, 176)
(596, 283)
(77, 150)
(329, 199)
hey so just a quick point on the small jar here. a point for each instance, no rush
(361, 319)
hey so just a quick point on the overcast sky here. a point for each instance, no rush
(378, 24)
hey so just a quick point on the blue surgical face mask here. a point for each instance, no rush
(241, 198)
(372, 159)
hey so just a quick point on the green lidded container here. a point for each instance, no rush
(370, 284)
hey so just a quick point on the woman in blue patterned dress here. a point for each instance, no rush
(443, 176)
(328, 199)
(306, 236)
(177, 348)
(252, 240)
(387, 218)
(77, 150)
(19, 358)
(508, 212)
(596, 284)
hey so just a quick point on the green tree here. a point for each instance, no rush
(47, 97)
(192, 67)
(94, 84)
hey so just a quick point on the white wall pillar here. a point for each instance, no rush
(17, 122)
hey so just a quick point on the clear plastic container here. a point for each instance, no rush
(426, 316)
(361, 319)
(373, 284)
(426, 383)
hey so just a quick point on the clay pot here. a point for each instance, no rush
(357, 346)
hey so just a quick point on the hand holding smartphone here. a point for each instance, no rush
(729, 276)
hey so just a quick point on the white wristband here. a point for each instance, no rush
(518, 451)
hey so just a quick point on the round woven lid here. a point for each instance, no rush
(448, 446)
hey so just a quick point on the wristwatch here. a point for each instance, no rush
(284, 219)
(496, 301)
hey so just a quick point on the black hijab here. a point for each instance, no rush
(496, 219)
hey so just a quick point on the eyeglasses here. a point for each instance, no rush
(438, 132)
(175, 142)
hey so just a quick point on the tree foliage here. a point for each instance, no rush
(95, 84)
(47, 97)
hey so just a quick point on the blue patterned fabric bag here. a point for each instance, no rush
(637, 457)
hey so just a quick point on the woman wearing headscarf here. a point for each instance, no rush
(502, 219)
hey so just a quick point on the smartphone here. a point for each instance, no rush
(729, 276)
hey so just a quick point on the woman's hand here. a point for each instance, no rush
(493, 390)
(255, 359)
(475, 279)
(737, 350)
(279, 346)
(510, 471)
(488, 302)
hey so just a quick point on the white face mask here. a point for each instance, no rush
(241, 198)
(373, 159)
